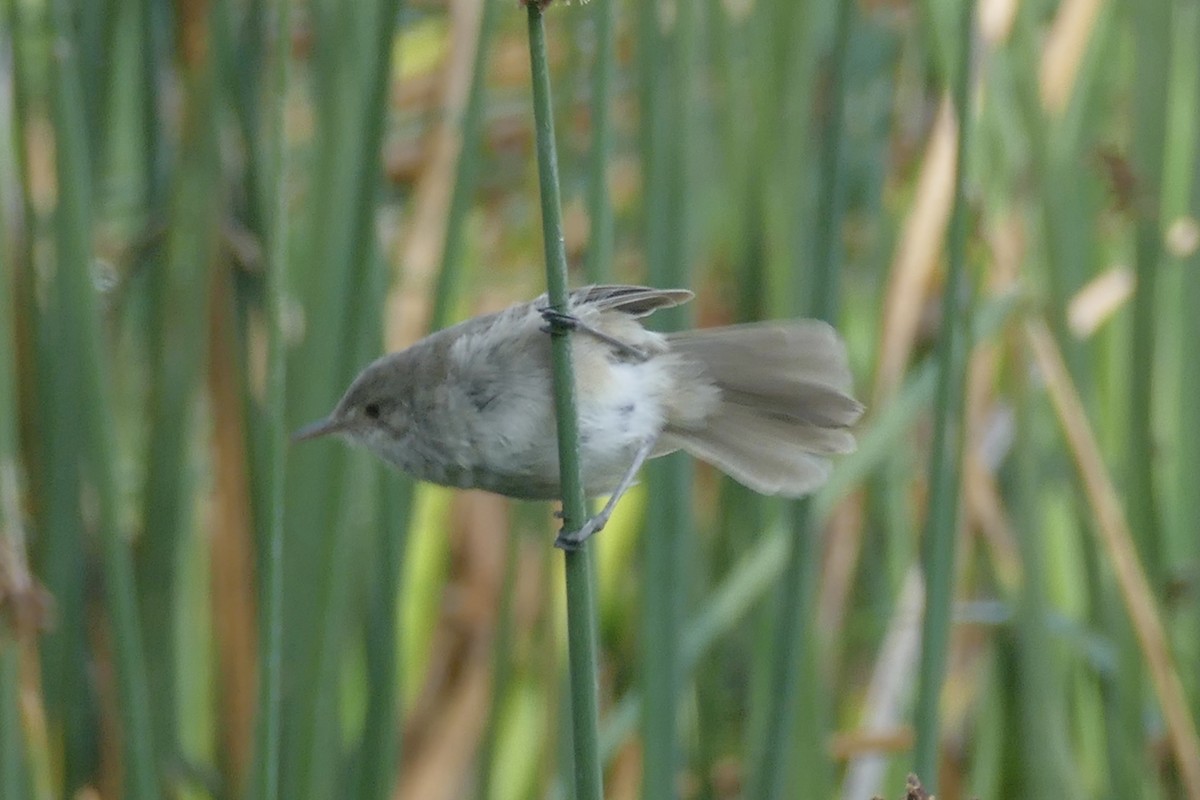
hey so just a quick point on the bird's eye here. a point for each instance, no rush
(371, 410)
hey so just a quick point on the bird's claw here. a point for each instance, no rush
(573, 541)
(558, 321)
(562, 322)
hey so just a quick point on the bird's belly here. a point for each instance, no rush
(601, 469)
(617, 415)
(604, 457)
(616, 422)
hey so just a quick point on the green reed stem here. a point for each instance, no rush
(1189, 410)
(445, 294)
(581, 633)
(177, 357)
(381, 738)
(381, 730)
(270, 712)
(600, 211)
(12, 541)
(1045, 753)
(54, 449)
(467, 173)
(12, 772)
(794, 680)
(85, 339)
(340, 272)
(667, 139)
(1152, 35)
(941, 531)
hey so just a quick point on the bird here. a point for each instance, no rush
(472, 405)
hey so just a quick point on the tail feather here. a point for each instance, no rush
(762, 464)
(785, 403)
(806, 350)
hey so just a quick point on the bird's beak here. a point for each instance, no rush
(322, 427)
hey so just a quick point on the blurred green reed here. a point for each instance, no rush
(14, 777)
(326, 518)
(949, 434)
(789, 748)
(270, 712)
(773, 156)
(600, 211)
(177, 278)
(1189, 412)
(667, 58)
(1152, 59)
(84, 359)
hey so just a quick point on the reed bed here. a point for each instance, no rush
(213, 214)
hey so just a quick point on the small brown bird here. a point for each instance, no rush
(472, 405)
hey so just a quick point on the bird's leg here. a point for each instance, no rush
(559, 320)
(573, 540)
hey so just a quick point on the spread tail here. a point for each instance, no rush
(784, 407)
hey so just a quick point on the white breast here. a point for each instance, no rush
(617, 414)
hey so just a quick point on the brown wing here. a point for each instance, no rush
(636, 301)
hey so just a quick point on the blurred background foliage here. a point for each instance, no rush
(779, 157)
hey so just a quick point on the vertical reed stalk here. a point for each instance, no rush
(667, 139)
(941, 529)
(381, 737)
(1044, 747)
(466, 174)
(13, 569)
(178, 311)
(271, 591)
(12, 752)
(76, 294)
(794, 675)
(53, 448)
(1151, 26)
(342, 295)
(1189, 409)
(600, 212)
(1058, 141)
(381, 730)
(1152, 60)
(96, 24)
(151, 49)
(581, 632)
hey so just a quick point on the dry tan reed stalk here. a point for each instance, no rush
(234, 606)
(1117, 541)
(1099, 299)
(856, 744)
(450, 725)
(1065, 46)
(441, 770)
(917, 255)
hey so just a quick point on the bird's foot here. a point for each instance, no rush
(572, 541)
(560, 321)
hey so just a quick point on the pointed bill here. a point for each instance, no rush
(322, 427)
